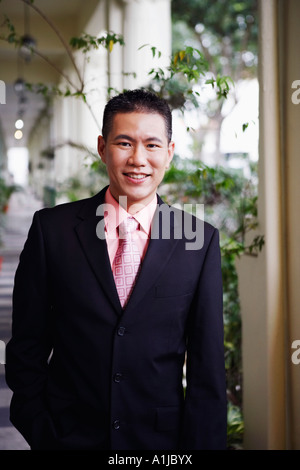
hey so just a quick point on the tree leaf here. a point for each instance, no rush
(111, 45)
(182, 55)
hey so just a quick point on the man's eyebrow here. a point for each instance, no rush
(155, 139)
(131, 139)
(123, 136)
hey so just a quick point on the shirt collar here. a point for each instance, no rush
(114, 214)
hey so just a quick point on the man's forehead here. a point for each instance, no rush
(150, 120)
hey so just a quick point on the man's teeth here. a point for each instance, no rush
(137, 177)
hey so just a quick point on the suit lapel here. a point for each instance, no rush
(95, 248)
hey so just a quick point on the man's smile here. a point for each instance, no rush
(137, 177)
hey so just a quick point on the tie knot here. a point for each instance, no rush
(127, 226)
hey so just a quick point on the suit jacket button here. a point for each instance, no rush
(117, 377)
(121, 331)
(116, 424)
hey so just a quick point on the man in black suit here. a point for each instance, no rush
(93, 365)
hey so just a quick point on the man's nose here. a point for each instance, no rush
(138, 156)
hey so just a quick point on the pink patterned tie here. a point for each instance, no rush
(127, 260)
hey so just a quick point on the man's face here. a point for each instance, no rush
(136, 154)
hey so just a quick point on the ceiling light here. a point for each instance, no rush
(18, 135)
(28, 44)
(19, 124)
(19, 86)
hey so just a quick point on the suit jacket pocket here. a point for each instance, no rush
(167, 418)
(173, 290)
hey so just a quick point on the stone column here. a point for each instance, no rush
(261, 278)
(145, 22)
(289, 66)
(269, 284)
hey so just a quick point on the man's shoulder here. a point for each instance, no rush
(64, 208)
(80, 208)
(182, 224)
(192, 214)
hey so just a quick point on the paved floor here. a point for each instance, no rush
(13, 231)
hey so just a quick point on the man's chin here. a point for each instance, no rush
(138, 200)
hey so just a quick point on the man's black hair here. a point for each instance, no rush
(139, 101)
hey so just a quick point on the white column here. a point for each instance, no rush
(261, 280)
(290, 69)
(145, 22)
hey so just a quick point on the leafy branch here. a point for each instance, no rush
(221, 84)
(192, 180)
(234, 247)
(86, 42)
(177, 82)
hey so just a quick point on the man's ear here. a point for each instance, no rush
(171, 150)
(101, 148)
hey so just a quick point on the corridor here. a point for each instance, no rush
(14, 227)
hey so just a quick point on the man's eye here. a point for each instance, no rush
(152, 146)
(124, 144)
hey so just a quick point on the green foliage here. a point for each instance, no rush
(235, 427)
(6, 190)
(11, 36)
(224, 30)
(176, 82)
(51, 91)
(86, 42)
(222, 85)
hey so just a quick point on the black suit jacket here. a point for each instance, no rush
(87, 375)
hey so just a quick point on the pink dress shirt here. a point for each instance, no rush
(114, 214)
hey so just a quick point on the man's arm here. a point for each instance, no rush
(205, 414)
(29, 348)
